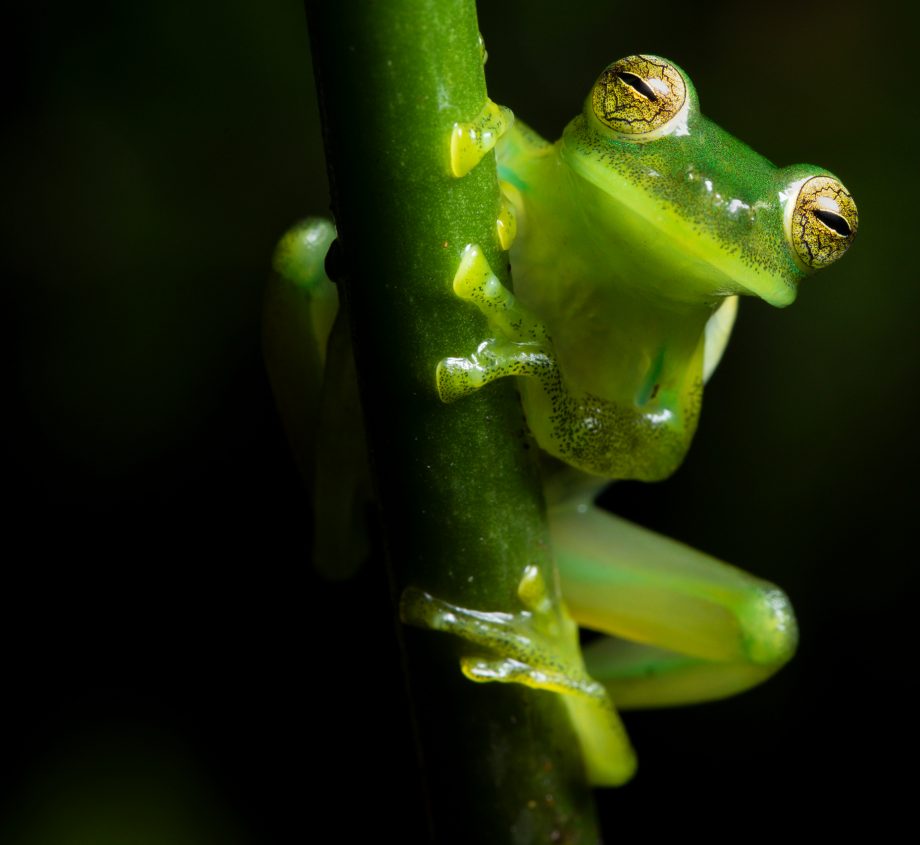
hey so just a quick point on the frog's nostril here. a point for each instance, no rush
(638, 84)
(835, 222)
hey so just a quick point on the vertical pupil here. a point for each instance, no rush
(638, 84)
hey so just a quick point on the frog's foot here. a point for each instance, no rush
(469, 142)
(457, 377)
(522, 346)
(537, 647)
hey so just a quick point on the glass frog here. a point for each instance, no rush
(630, 240)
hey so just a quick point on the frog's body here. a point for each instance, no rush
(633, 388)
(635, 233)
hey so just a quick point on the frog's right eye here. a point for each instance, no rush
(641, 98)
(822, 221)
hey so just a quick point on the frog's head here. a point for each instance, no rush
(725, 220)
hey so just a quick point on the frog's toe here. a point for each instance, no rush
(469, 142)
(458, 377)
(483, 670)
(537, 648)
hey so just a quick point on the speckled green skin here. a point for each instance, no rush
(624, 252)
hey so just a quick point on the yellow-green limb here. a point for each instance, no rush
(537, 646)
(297, 316)
(519, 347)
(311, 367)
(687, 627)
(506, 224)
(470, 141)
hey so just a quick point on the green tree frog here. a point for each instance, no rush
(630, 240)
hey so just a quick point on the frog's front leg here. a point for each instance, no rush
(536, 646)
(521, 347)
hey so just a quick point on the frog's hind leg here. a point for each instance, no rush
(309, 359)
(298, 311)
(687, 627)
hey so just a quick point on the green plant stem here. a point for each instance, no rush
(458, 484)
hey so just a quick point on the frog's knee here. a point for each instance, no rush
(770, 632)
(301, 253)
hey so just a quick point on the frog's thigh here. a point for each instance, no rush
(299, 308)
(341, 482)
(699, 628)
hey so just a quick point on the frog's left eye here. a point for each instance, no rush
(823, 222)
(641, 97)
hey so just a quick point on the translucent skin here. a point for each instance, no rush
(629, 254)
(635, 234)
(624, 251)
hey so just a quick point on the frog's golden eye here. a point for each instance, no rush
(824, 221)
(643, 97)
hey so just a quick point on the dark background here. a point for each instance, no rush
(162, 634)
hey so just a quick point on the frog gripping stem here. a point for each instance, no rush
(536, 646)
(521, 347)
(469, 142)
